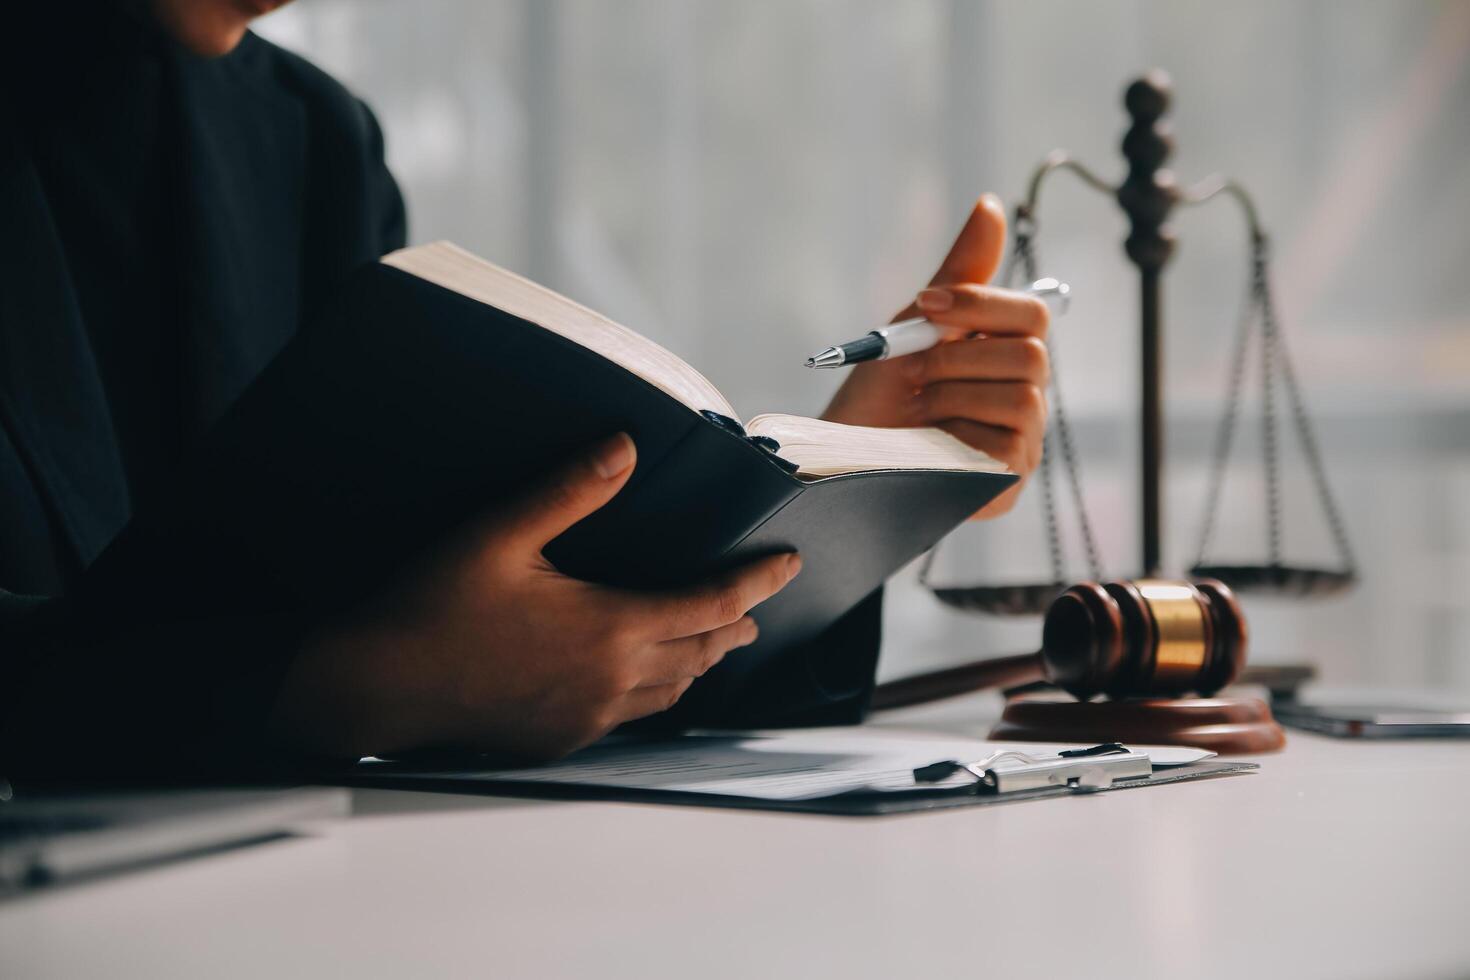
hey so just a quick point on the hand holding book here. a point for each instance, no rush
(485, 645)
(438, 388)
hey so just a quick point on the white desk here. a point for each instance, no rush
(1337, 860)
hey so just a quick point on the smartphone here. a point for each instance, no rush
(1373, 721)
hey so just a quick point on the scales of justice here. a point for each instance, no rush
(1145, 643)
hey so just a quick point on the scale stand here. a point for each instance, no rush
(1148, 195)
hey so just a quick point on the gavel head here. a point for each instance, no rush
(1148, 637)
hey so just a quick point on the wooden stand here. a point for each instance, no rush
(1230, 726)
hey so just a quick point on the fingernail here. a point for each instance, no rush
(614, 456)
(934, 300)
(793, 566)
(752, 632)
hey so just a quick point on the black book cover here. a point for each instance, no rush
(408, 408)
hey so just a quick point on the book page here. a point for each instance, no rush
(446, 264)
(820, 448)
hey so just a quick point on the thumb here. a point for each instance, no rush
(569, 493)
(976, 252)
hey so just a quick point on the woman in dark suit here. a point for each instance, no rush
(176, 197)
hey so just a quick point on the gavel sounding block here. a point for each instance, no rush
(1227, 725)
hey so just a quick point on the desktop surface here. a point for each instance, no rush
(1337, 859)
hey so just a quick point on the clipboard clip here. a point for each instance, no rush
(1079, 770)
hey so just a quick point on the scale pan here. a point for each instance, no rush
(1285, 580)
(1000, 600)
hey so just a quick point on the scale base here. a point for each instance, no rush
(1230, 726)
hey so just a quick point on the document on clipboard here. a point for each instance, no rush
(852, 770)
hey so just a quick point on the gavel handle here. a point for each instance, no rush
(979, 676)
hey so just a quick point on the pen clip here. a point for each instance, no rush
(1106, 748)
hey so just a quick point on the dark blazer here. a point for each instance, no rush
(284, 192)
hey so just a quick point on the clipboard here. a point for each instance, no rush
(948, 782)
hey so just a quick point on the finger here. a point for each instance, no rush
(719, 602)
(1009, 404)
(976, 252)
(982, 359)
(987, 309)
(569, 493)
(645, 701)
(693, 656)
(1018, 450)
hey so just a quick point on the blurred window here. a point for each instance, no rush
(744, 182)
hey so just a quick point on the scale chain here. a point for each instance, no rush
(1021, 256)
(1274, 359)
(1059, 434)
(1024, 257)
(1268, 408)
(1226, 434)
(1335, 524)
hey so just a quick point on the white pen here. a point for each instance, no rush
(912, 336)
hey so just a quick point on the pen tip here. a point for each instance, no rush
(830, 358)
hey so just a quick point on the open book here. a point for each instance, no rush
(818, 448)
(436, 387)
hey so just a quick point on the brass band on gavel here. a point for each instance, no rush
(1144, 637)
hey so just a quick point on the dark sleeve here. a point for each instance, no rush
(164, 693)
(178, 699)
(388, 213)
(355, 213)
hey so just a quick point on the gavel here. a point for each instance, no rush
(1139, 638)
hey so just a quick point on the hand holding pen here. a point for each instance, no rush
(918, 333)
(985, 382)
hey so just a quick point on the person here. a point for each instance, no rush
(178, 196)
